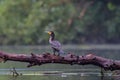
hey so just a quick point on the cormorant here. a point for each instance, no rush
(56, 45)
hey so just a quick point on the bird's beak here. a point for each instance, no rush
(48, 32)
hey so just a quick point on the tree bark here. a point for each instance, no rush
(39, 59)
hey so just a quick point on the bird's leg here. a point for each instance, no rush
(58, 54)
(54, 52)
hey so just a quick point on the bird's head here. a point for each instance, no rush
(50, 32)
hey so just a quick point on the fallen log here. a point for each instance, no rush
(39, 59)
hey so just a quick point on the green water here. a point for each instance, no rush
(56, 71)
(49, 77)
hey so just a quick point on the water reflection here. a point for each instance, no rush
(37, 74)
(53, 77)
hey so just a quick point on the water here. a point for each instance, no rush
(49, 74)
(58, 71)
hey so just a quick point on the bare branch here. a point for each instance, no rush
(39, 59)
(82, 13)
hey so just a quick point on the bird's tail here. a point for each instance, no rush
(61, 52)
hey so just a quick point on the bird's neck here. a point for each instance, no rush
(52, 38)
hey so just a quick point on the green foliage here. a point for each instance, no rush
(111, 6)
(25, 21)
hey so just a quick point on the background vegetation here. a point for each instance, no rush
(74, 21)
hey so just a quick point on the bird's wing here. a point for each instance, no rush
(56, 44)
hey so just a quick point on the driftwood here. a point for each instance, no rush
(39, 59)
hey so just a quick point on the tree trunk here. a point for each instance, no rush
(39, 59)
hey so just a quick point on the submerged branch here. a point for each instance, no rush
(39, 59)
